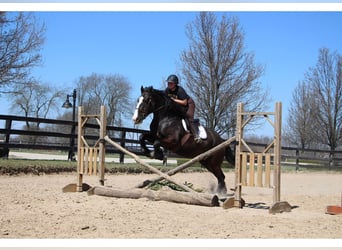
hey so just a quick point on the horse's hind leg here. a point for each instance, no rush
(221, 185)
(213, 164)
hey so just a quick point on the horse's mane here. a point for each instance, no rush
(155, 91)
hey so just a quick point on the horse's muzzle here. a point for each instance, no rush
(138, 118)
(136, 121)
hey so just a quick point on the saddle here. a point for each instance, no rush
(201, 130)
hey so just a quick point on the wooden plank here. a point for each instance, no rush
(244, 169)
(189, 163)
(153, 169)
(259, 170)
(81, 170)
(86, 160)
(90, 161)
(95, 161)
(251, 169)
(267, 170)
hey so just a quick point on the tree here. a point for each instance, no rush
(326, 80)
(109, 90)
(219, 73)
(35, 100)
(301, 122)
(21, 39)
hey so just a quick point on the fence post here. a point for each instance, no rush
(297, 159)
(122, 144)
(8, 126)
(102, 146)
(238, 136)
(331, 160)
(277, 151)
(80, 144)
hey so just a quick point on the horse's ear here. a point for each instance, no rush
(142, 89)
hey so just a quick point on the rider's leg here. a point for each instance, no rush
(190, 115)
(194, 130)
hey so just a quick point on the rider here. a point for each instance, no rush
(186, 104)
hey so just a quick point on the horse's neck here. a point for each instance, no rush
(166, 108)
(154, 123)
(162, 106)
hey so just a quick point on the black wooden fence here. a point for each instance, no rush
(56, 135)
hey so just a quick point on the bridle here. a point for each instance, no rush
(145, 114)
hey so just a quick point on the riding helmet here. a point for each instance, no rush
(172, 78)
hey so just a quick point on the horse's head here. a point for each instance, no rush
(148, 103)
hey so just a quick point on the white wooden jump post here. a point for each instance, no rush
(250, 164)
(90, 158)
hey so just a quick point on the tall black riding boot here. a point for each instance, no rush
(194, 130)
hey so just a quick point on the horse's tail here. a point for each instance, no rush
(230, 154)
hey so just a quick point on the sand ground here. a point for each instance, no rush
(35, 207)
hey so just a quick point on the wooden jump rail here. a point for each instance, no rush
(254, 168)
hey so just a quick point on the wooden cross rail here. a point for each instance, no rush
(190, 162)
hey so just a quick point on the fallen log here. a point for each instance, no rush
(161, 195)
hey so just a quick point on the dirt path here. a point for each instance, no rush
(35, 207)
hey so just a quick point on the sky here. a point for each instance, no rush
(145, 46)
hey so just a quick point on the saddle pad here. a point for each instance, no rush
(202, 133)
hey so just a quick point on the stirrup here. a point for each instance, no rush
(197, 139)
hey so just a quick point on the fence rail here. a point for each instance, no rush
(56, 135)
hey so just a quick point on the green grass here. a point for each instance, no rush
(37, 167)
(20, 166)
(24, 166)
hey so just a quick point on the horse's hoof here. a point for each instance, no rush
(221, 191)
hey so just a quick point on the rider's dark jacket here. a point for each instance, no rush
(179, 93)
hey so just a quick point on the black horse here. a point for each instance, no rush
(167, 130)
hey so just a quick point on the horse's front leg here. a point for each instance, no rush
(158, 152)
(143, 138)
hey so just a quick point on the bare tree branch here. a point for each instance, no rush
(219, 73)
(21, 39)
(110, 90)
(316, 113)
